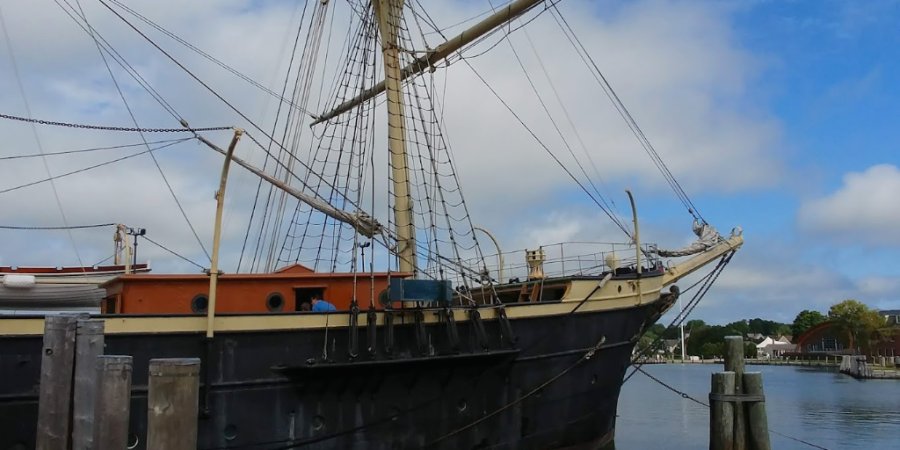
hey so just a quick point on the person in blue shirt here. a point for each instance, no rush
(320, 305)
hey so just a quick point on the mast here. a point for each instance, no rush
(501, 17)
(389, 13)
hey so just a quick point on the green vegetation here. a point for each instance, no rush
(805, 320)
(862, 325)
(708, 341)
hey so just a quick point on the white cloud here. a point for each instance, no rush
(864, 210)
(675, 64)
(774, 283)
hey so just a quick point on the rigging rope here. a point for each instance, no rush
(172, 252)
(544, 146)
(623, 111)
(705, 283)
(143, 138)
(687, 396)
(85, 169)
(259, 184)
(590, 354)
(549, 152)
(37, 138)
(92, 149)
(123, 63)
(209, 57)
(208, 88)
(556, 126)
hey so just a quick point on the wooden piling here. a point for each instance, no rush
(88, 345)
(172, 404)
(113, 404)
(55, 396)
(756, 413)
(721, 413)
(734, 362)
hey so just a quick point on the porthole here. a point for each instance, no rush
(461, 405)
(133, 441)
(275, 302)
(199, 303)
(318, 423)
(230, 432)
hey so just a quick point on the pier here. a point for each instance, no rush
(882, 368)
(85, 396)
(737, 408)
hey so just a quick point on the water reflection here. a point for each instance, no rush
(821, 406)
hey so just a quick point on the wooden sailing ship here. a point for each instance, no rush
(426, 352)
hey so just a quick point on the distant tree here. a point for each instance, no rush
(657, 329)
(695, 324)
(648, 344)
(741, 327)
(712, 334)
(671, 333)
(711, 350)
(782, 329)
(749, 350)
(805, 320)
(860, 323)
(766, 327)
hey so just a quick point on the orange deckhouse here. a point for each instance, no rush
(282, 291)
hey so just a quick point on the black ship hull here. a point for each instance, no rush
(543, 382)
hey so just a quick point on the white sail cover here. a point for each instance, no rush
(707, 238)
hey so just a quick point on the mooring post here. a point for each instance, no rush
(55, 396)
(756, 412)
(734, 362)
(113, 407)
(721, 412)
(172, 404)
(88, 346)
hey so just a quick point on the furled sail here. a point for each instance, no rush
(707, 237)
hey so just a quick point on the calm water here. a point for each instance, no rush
(829, 409)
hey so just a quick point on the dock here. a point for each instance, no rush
(884, 368)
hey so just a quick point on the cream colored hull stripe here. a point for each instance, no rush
(620, 294)
(279, 322)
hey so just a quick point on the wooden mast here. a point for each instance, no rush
(500, 17)
(389, 14)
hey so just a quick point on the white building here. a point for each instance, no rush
(771, 347)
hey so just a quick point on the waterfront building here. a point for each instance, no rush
(774, 347)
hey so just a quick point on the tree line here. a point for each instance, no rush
(860, 325)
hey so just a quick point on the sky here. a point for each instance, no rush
(775, 116)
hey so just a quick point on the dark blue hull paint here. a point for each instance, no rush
(274, 389)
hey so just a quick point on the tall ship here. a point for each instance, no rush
(437, 340)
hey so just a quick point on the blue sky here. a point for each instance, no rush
(778, 116)
(830, 76)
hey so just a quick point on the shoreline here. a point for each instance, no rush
(875, 371)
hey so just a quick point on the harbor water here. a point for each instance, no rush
(819, 406)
